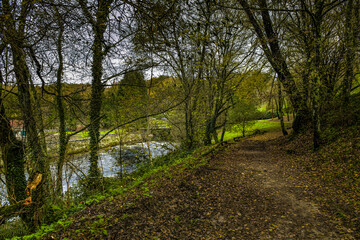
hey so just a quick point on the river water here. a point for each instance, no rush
(131, 156)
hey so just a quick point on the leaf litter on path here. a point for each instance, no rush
(247, 190)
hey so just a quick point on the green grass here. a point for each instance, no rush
(267, 125)
(230, 135)
(160, 123)
(80, 134)
(85, 134)
(112, 132)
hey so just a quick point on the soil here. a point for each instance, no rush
(249, 189)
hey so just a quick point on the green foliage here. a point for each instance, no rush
(126, 100)
(55, 212)
(244, 114)
(133, 85)
(336, 115)
(254, 86)
(12, 229)
(177, 219)
(98, 226)
(267, 115)
(62, 224)
(267, 125)
(146, 190)
(82, 196)
(193, 221)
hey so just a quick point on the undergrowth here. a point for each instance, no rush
(335, 168)
(59, 216)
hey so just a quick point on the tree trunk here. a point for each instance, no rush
(15, 36)
(224, 127)
(270, 45)
(60, 108)
(189, 137)
(37, 160)
(13, 157)
(99, 25)
(280, 110)
(317, 73)
(350, 51)
(243, 127)
(39, 118)
(208, 132)
(95, 109)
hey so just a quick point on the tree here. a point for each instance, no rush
(203, 49)
(98, 23)
(309, 32)
(132, 91)
(243, 113)
(174, 44)
(351, 41)
(12, 155)
(280, 109)
(226, 56)
(14, 34)
(63, 140)
(269, 41)
(318, 12)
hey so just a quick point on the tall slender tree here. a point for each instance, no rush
(98, 22)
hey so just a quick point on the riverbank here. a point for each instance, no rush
(257, 188)
(81, 145)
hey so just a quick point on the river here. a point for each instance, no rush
(78, 165)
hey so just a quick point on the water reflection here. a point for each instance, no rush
(109, 161)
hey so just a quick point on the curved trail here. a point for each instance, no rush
(272, 204)
(247, 190)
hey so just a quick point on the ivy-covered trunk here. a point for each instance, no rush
(37, 162)
(317, 73)
(99, 25)
(15, 36)
(95, 108)
(12, 151)
(189, 137)
(209, 131)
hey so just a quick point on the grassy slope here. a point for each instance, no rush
(335, 169)
(120, 187)
(117, 189)
(330, 178)
(267, 125)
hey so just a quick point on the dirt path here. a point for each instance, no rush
(277, 205)
(246, 191)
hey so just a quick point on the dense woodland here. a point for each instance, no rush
(201, 66)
